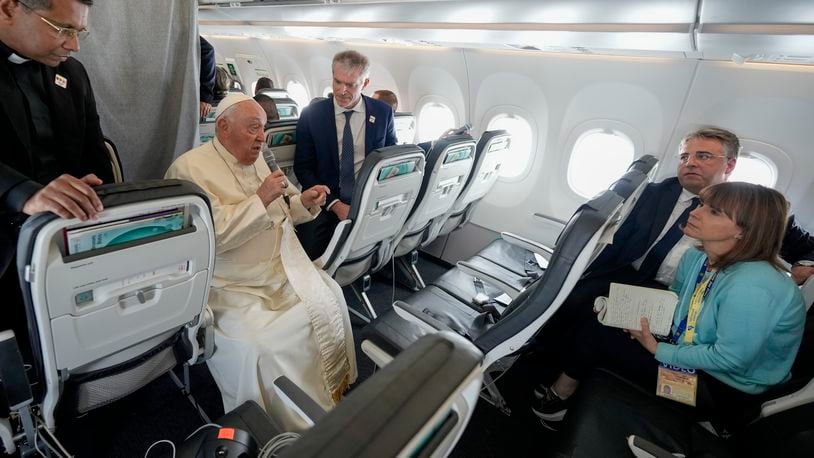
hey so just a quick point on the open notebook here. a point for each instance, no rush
(626, 304)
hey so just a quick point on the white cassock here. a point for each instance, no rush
(275, 312)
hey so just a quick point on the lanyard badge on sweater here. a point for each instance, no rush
(677, 383)
(702, 289)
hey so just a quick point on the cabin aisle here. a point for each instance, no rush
(159, 410)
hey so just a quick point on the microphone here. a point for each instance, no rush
(268, 156)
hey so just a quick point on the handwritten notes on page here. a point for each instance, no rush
(626, 304)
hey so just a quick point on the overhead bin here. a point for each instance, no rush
(780, 31)
(747, 30)
(650, 25)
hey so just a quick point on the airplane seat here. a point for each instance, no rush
(206, 126)
(807, 290)
(418, 405)
(516, 253)
(449, 164)
(386, 190)
(287, 107)
(784, 423)
(490, 153)
(512, 263)
(498, 332)
(115, 161)
(405, 128)
(116, 302)
(281, 138)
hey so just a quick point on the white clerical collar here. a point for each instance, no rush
(15, 59)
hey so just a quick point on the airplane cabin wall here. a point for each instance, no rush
(652, 100)
(767, 103)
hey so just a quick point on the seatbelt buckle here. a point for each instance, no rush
(480, 299)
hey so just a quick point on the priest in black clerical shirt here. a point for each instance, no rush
(52, 149)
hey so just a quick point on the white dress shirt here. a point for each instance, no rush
(668, 267)
(357, 128)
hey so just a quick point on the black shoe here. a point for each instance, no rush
(550, 425)
(539, 391)
(550, 407)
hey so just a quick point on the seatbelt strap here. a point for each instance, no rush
(483, 302)
(532, 267)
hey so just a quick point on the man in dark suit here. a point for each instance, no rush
(333, 138)
(648, 246)
(206, 77)
(707, 157)
(53, 151)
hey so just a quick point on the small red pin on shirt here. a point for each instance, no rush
(61, 81)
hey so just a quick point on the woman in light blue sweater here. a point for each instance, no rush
(748, 329)
(739, 320)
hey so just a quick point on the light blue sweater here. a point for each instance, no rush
(749, 328)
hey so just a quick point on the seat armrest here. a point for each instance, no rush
(807, 290)
(208, 339)
(6, 437)
(298, 401)
(802, 396)
(645, 449)
(471, 269)
(528, 244)
(330, 254)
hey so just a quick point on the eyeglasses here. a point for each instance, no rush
(349, 86)
(65, 33)
(700, 156)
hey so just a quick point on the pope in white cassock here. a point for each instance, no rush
(275, 312)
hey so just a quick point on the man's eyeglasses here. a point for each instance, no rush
(349, 86)
(700, 156)
(66, 33)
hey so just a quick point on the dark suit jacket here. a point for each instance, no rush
(650, 214)
(76, 131)
(316, 160)
(207, 74)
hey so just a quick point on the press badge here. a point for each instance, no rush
(677, 384)
(61, 81)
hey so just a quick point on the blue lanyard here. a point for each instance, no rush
(683, 324)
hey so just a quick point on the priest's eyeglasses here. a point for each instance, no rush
(700, 156)
(65, 33)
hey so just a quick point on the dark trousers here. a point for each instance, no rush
(606, 409)
(596, 345)
(314, 236)
(600, 346)
(555, 343)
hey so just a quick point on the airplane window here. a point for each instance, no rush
(298, 92)
(754, 168)
(517, 159)
(433, 119)
(599, 157)
(327, 90)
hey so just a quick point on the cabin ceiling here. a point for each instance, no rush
(778, 31)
